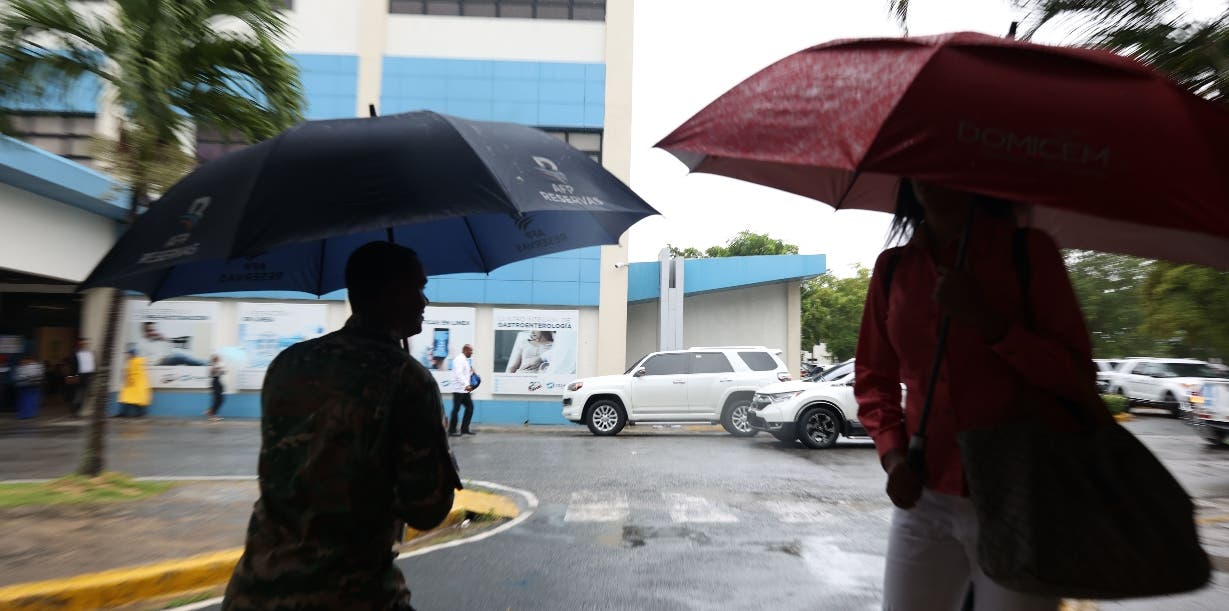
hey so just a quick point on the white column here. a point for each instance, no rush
(793, 333)
(616, 156)
(373, 29)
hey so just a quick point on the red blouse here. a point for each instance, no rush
(979, 383)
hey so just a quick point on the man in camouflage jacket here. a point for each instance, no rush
(352, 444)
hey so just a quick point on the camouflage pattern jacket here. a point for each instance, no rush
(352, 443)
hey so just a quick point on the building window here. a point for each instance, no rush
(65, 134)
(587, 141)
(212, 143)
(580, 10)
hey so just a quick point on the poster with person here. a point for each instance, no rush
(265, 329)
(535, 351)
(176, 340)
(444, 332)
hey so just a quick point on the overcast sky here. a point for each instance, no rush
(688, 52)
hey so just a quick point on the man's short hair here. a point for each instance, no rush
(372, 267)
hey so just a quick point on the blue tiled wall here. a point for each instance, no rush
(330, 84)
(552, 94)
(564, 279)
(247, 405)
(704, 275)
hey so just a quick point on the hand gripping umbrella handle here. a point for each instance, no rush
(916, 458)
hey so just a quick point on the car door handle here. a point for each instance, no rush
(680, 381)
(726, 380)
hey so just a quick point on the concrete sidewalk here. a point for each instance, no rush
(110, 555)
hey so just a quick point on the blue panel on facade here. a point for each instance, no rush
(556, 293)
(525, 113)
(518, 90)
(551, 94)
(590, 293)
(30, 168)
(330, 84)
(450, 290)
(512, 292)
(561, 92)
(644, 281)
(521, 270)
(501, 412)
(703, 275)
(562, 115)
(545, 412)
(478, 111)
(567, 270)
(191, 404)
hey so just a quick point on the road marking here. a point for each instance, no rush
(597, 506)
(687, 508)
(797, 512)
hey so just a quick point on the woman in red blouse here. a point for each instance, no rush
(1004, 344)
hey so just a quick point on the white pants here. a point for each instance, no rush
(932, 559)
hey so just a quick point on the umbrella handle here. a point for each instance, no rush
(916, 458)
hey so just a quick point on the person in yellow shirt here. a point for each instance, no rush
(135, 396)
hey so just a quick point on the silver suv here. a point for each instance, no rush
(711, 384)
(1163, 383)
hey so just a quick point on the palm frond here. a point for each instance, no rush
(1097, 15)
(900, 11)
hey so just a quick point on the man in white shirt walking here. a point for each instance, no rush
(462, 374)
(82, 373)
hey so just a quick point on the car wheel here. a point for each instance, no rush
(734, 418)
(1215, 439)
(784, 436)
(1171, 403)
(606, 418)
(819, 427)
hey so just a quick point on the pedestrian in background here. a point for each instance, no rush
(81, 373)
(998, 335)
(135, 396)
(29, 379)
(463, 381)
(216, 371)
(352, 449)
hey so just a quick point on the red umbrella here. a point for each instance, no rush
(1110, 154)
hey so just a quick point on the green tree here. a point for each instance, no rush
(1188, 306)
(172, 65)
(832, 311)
(745, 244)
(1110, 291)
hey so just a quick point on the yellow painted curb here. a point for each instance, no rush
(128, 585)
(1212, 520)
(1124, 417)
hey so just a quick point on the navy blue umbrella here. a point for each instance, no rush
(285, 214)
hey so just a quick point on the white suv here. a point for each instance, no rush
(815, 413)
(1163, 383)
(693, 385)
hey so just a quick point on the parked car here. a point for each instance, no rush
(815, 413)
(1210, 411)
(1106, 370)
(694, 385)
(1165, 383)
(839, 370)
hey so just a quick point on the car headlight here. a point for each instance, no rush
(575, 386)
(778, 397)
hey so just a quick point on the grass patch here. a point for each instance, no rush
(187, 600)
(110, 487)
(1117, 404)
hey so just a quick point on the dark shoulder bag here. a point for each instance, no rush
(1086, 514)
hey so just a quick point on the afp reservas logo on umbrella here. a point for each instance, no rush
(561, 191)
(177, 246)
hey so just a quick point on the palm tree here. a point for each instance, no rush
(1194, 53)
(172, 65)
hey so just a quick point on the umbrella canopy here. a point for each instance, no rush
(284, 214)
(1110, 154)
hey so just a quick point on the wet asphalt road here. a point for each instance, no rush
(651, 519)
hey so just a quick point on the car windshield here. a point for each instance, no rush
(1191, 370)
(635, 364)
(836, 372)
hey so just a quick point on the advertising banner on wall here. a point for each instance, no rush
(265, 329)
(535, 351)
(176, 340)
(444, 332)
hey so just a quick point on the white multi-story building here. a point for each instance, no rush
(560, 65)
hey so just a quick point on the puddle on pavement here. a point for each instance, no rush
(632, 536)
